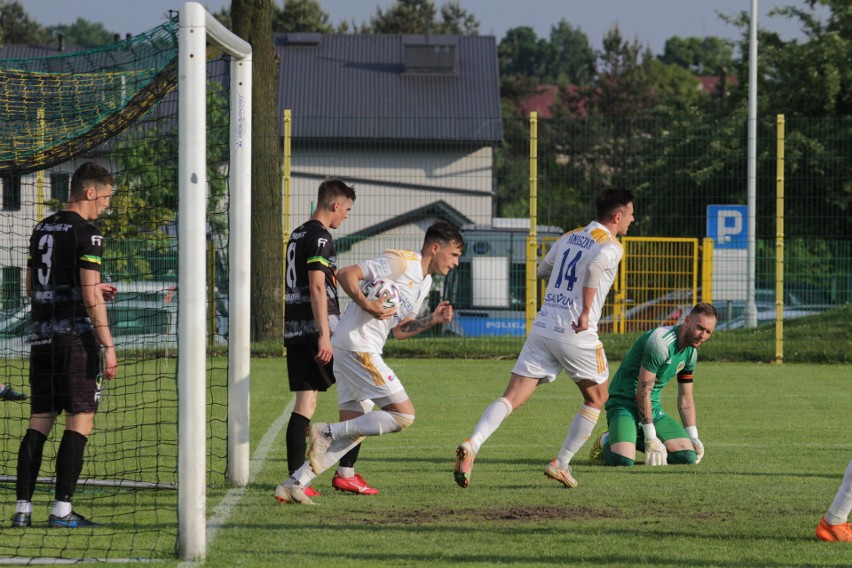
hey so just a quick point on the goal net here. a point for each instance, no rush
(168, 113)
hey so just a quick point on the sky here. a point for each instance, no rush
(651, 22)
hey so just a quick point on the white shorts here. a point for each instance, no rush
(543, 358)
(365, 376)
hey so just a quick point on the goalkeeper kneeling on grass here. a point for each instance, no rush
(634, 414)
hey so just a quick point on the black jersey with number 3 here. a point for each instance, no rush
(60, 246)
(310, 248)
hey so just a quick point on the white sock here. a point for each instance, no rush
(61, 508)
(345, 471)
(373, 423)
(303, 476)
(579, 431)
(491, 419)
(24, 507)
(838, 513)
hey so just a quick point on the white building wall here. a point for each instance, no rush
(17, 224)
(391, 182)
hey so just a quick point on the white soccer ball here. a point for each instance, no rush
(382, 288)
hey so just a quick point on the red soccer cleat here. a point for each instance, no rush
(311, 492)
(833, 533)
(354, 484)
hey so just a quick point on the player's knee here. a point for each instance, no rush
(402, 420)
(618, 460)
(681, 457)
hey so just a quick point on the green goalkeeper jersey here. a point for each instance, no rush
(656, 350)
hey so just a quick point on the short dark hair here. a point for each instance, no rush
(611, 200)
(443, 232)
(705, 308)
(87, 173)
(331, 190)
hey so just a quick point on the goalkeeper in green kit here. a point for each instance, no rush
(634, 414)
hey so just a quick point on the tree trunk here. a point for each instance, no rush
(252, 21)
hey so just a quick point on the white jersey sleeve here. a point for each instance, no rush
(361, 332)
(390, 264)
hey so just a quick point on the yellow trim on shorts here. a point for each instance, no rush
(367, 363)
(599, 355)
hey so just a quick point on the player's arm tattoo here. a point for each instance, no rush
(415, 326)
(646, 384)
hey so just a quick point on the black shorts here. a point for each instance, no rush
(64, 375)
(304, 373)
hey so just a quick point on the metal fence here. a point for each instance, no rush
(689, 174)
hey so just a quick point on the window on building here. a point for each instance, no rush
(11, 192)
(59, 184)
(11, 290)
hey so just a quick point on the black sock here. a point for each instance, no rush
(297, 444)
(29, 462)
(69, 464)
(349, 459)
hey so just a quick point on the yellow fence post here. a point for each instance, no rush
(779, 243)
(532, 239)
(707, 271)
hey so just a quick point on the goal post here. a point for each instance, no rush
(197, 27)
(168, 113)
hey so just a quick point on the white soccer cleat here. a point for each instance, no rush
(563, 476)
(292, 494)
(319, 446)
(464, 464)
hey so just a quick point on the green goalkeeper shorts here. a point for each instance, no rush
(623, 422)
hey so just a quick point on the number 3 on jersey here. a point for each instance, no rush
(45, 248)
(568, 273)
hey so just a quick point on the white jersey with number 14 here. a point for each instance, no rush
(567, 261)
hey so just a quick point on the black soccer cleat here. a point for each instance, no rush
(21, 520)
(70, 521)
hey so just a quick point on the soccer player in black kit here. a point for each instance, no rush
(311, 313)
(69, 329)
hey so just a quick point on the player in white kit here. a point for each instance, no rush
(363, 378)
(580, 268)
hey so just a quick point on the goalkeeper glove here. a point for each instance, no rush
(655, 451)
(692, 431)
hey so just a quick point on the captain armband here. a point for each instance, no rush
(684, 377)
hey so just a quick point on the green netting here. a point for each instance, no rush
(60, 106)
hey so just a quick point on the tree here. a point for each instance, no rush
(623, 87)
(252, 20)
(702, 56)
(297, 16)
(418, 17)
(569, 58)
(17, 27)
(673, 82)
(456, 21)
(522, 53)
(83, 32)
(301, 16)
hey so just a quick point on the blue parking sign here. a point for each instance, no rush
(727, 225)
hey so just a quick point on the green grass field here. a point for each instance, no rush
(777, 446)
